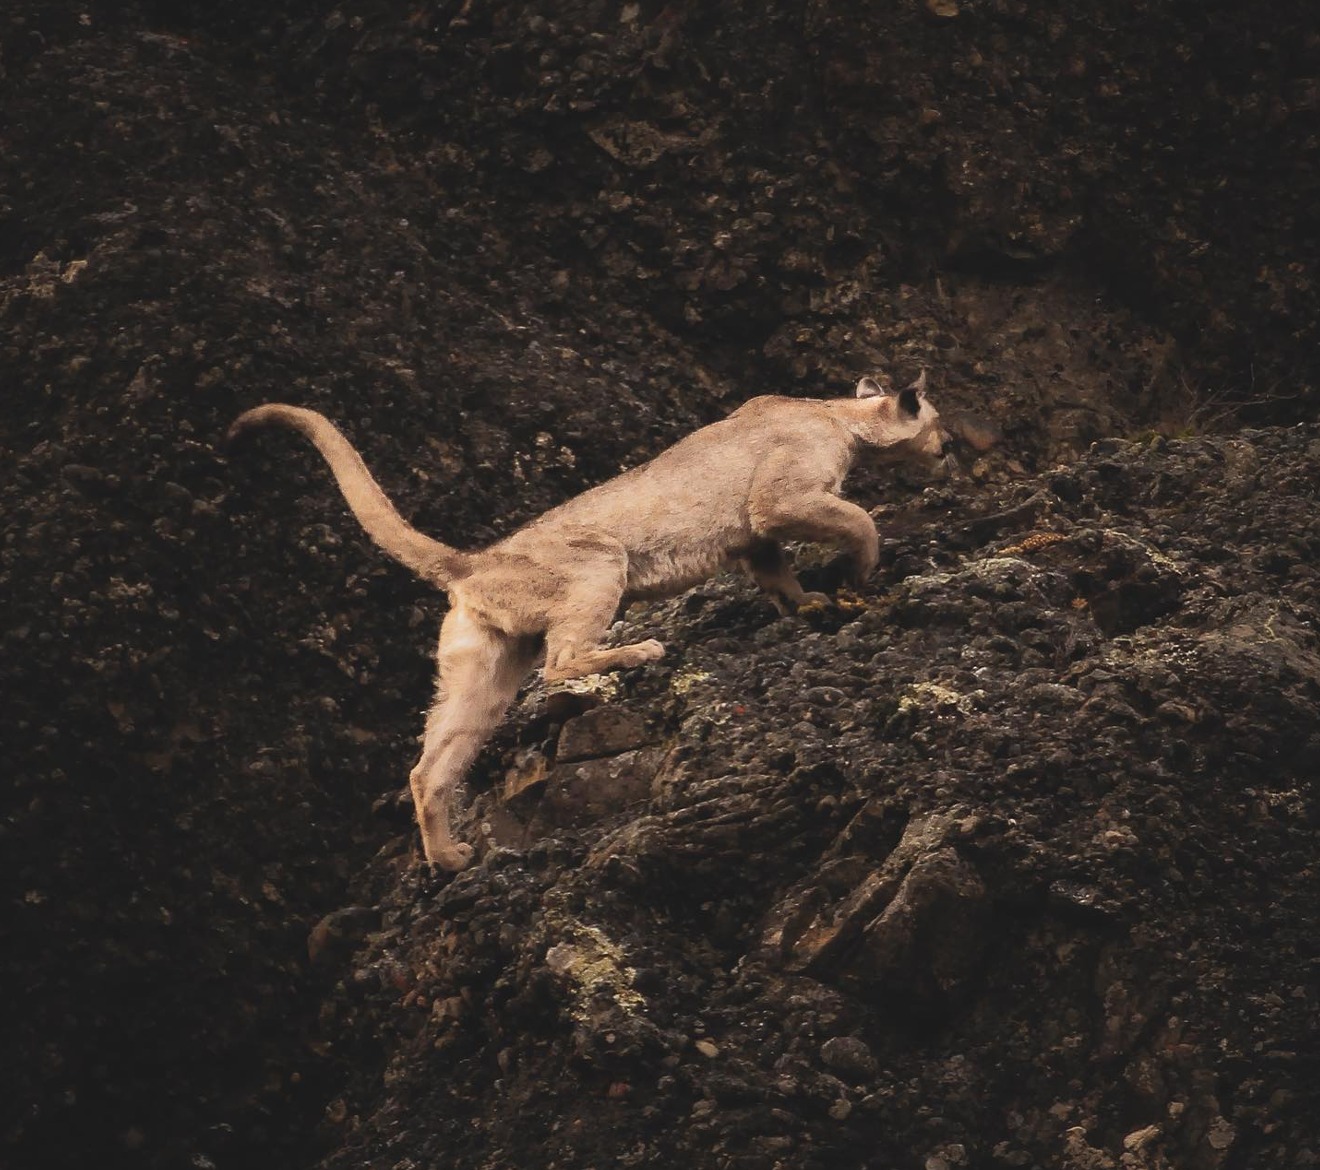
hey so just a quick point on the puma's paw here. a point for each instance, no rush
(859, 572)
(816, 601)
(648, 651)
(453, 857)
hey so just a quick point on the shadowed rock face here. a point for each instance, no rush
(1008, 860)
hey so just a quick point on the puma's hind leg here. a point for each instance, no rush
(581, 617)
(479, 671)
(573, 662)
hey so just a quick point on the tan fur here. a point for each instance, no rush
(728, 494)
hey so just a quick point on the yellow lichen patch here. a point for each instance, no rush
(594, 966)
(604, 685)
(850, 602)
(684, 680)
(927, 694)
(1032, 542)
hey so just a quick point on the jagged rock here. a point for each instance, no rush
(911, 933)
(813, 932)
(605, 731)
(922, 950)
(529, 773)
(580, 793)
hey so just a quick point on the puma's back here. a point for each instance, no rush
(692, 509)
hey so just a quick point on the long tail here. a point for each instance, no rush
(430, 559)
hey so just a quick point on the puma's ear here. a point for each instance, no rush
(869, 388)
(909, 398)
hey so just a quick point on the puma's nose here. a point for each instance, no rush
(946, 448)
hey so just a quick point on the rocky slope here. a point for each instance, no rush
(1011, 863)
(1006, 860)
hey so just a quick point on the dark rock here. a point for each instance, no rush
(927, 944)
(339, 933)
(578, 794)
(604, 731)
(848, 1056)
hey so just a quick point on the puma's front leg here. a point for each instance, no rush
(824, 518)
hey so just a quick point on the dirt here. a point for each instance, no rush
(1006, 860)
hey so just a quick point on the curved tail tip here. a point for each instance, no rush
(237, 428)
(245, 422)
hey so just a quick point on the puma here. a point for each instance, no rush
(729, 494)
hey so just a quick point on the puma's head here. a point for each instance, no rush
(904, 425)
